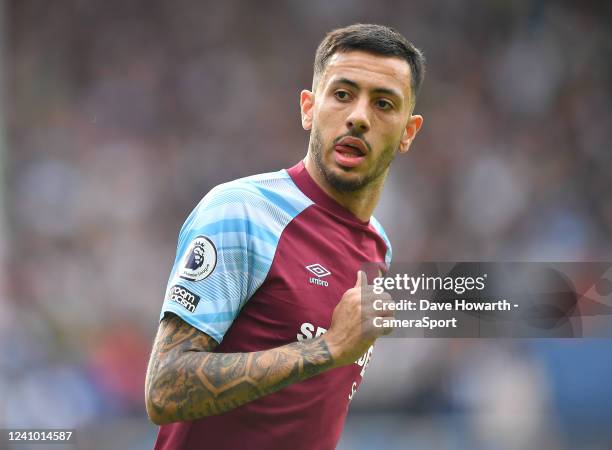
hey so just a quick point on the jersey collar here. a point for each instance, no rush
(312, 190)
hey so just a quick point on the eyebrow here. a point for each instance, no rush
(377, 90)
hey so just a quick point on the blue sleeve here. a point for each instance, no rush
(224, 253)
(381, 231)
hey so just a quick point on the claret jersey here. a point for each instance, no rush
(262, 262)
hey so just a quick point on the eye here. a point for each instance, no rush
(342, 95)
(383, 104)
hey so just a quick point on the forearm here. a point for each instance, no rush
(191, 383)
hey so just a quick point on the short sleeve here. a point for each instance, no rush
(224, 253)
(381, 232)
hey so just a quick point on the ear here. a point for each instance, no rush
(412, 128)
(307, 99)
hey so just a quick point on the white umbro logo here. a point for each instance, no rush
(318, 270)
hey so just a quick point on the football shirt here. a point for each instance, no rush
(262, 262)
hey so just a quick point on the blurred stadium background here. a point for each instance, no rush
(118, 116)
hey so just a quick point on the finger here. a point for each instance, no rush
(388, 303)
(384, 325)
(388, 330)
(362, 279)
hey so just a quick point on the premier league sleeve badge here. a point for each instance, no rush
(199, 261)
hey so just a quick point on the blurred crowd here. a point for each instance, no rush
(120, 115)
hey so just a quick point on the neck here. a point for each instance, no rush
(360, 203)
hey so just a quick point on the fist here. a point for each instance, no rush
(352, 329)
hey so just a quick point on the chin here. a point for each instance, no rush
(344, 179)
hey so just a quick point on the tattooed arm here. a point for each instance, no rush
(186, 381)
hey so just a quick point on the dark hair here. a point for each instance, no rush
(376, 39)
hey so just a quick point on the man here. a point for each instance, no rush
(266, 328)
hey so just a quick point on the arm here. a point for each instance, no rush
(186, 381)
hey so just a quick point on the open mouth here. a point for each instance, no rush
(350, 151)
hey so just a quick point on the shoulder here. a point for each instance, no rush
(265, 201)
(274, 189)
(381, 232)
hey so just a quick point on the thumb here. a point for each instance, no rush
(362, 279)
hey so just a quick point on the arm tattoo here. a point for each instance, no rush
(185, 381)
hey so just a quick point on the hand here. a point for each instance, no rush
(352, 329)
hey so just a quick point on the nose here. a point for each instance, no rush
(358, 119)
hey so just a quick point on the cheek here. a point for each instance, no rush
(328, 125)
(331, 112)
(394, 131)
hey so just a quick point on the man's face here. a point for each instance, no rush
(359, 117)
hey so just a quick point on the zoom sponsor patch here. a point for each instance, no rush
(199, 260)
(184, 297)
